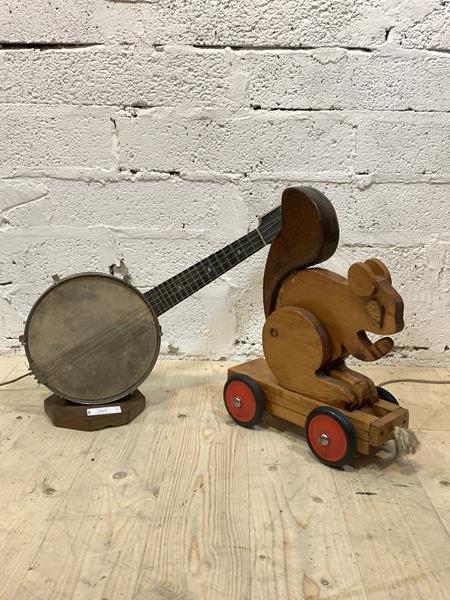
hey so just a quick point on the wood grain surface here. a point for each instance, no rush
(183, 504)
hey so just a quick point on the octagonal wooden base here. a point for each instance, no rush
(93, 418)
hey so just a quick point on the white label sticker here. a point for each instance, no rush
(103, 410)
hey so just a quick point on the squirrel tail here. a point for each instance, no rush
(309, 235)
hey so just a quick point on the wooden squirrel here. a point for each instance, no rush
(316, 318)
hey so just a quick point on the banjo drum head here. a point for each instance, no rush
(92, 339)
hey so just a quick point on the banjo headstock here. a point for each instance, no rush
(270, 225)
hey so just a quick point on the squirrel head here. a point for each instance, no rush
(382, 306)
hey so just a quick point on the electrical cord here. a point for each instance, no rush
(16, 379)
(427, 381)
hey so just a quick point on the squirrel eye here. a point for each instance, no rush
(375, 312)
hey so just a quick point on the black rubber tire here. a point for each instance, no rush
(386, 395)
(346, 426)
(259, 399)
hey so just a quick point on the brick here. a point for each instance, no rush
(119, 75)
(384, 207)
(36, 138)
(408, 144)
(427, 27)
(397, 207)
(164, 140)
(168, 206)
(340, 79)
(279, 22)
(55, 21)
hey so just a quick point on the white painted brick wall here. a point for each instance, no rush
(158, 130)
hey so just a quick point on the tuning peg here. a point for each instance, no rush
(121, 269)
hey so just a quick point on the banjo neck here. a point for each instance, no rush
(176, 289)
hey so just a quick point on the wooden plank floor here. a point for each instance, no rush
(182, 504)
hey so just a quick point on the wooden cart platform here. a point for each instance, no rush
(374, 424)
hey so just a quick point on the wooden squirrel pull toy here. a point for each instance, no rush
(315, 319)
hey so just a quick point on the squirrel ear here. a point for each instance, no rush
(362, 279)
(379, 268)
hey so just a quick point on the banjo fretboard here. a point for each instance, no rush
(176, 289)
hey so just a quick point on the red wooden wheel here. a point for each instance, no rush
(331, 436)
(244, 400)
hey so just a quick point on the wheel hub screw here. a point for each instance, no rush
(237, 402)
(324, 439)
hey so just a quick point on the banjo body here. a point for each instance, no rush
(92, 338)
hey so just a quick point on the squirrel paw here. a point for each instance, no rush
(384, 346)
(368, 351)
